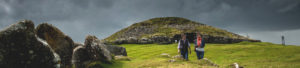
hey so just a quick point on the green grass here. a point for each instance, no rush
(249, 55)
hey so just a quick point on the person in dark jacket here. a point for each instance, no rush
(199, 46)
(184, 47)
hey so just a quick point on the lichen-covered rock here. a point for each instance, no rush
(20, 48)
(59, 42)
(97, 49)
(92, 50)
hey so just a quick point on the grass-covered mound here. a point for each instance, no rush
(248, 55)
(168, 27)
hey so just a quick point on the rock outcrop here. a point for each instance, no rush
(59, 42)
(23, 46)
(20, 48)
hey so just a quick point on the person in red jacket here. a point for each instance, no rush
(199, 46)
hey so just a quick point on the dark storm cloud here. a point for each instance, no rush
(267, 15)
(76, 18)
(102, 18)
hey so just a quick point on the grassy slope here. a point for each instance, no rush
(249, 55)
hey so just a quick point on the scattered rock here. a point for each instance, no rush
(20, 48)
(178, 57)
(235, 65)
(59, 42)
(165, 55)
(208, 62)
(172, 60)
(121, 57)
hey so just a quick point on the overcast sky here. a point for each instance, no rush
(265, 20)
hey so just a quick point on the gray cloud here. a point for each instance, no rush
(102, 18)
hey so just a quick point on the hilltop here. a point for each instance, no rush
(168, 29)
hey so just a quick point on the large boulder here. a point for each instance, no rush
(20, 48)
(59, 42)
(97, 49)
(116, 50)
(92, 50)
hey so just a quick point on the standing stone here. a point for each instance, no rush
(282, 40)
(20, 48)
(59, 42)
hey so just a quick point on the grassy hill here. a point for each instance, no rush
(168, 27)
(247, 54)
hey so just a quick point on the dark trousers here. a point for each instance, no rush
(185, 55)
(200, 54)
